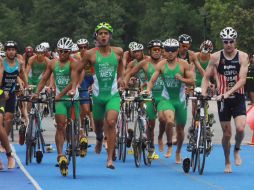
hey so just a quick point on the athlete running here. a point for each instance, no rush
(232, 67)
(148, 67)
(184, 52)
(175, 73)
(63, 70)
(86, 81)
(107, 62)
(12, 68)
(29, 52)
(128, 56)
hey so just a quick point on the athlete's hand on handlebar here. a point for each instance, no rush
(148, 92)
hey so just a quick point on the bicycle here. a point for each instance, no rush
(122, 125)
(35, 144)
(72, 136)
(140, 144)
(200, 140)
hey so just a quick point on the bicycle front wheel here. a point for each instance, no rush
(124, 139)
(202, 149)
(137, 143)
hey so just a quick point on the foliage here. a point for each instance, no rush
(33, 21)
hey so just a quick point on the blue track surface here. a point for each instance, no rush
(163, 174)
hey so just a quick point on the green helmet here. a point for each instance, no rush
(104, 25)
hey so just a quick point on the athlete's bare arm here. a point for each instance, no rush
(193, 60)
(29, 64)
(125, 58)
(198, 66)
(188, 77)
(120, 68)
(134, 70)
(1, 70)
(244, 62)
(212, 66)
(158, 70)
(22, 73)
(46, 75)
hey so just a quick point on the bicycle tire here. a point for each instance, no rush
(202, 149)
(29, 148)
(119, 137)
(137, 144)
(73, 149)
(194, 152)
(124, 141)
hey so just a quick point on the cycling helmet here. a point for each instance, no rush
(131, 44)
(228, 33)
(185, 39)
(2, 54)
(137, 47)
(1, 46)
(171, 43)
(10, 44)
(104, 25)
(74, 47)
(83, 41)
(46, 45)
(29, 49)
(155, 43)
(206, 46)
(65, 43)
(40, 48)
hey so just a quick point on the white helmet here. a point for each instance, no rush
(2, 54)
(137, 47)
(82, 41)
(46, 45)
(74, 47)
(206, 46)
(1, 46)
(131, 44)
(40, 48)
(228, 33)
(171, 43)
(65, 43)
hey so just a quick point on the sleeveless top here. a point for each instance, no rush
(10, 75)
(228, 72)
(105, 75)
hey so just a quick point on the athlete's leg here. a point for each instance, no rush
(227, 133)
(8, 122)
(240, 122)
(180, 139)
(110, 131)
(5, 143)
(99, 135)
(170, 122)
(60, 132)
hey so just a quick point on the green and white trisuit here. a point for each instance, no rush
(105, 93)
(174, 94)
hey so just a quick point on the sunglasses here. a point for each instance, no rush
(170, 49)
(82, 47)
(63, 51)
(226, 41)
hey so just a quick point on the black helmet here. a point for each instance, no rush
(155, 43)
(185, 39)
(10, 44)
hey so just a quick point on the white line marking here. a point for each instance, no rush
(35, 184)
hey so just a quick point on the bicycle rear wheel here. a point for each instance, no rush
(137, 144)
